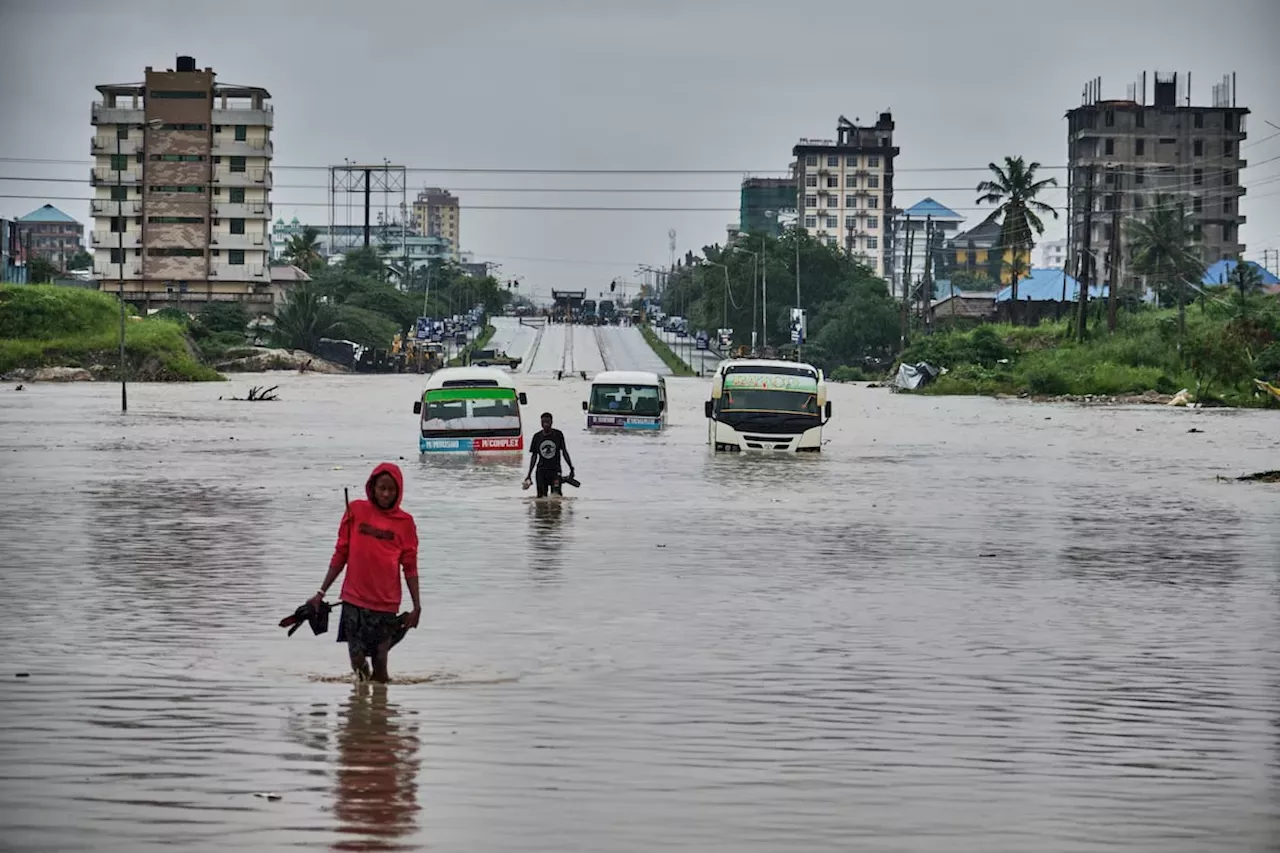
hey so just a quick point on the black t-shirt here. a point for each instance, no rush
(549, 447)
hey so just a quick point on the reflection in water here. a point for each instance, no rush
(375, 798)
(547, 533)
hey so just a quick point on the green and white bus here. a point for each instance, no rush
(767, 405)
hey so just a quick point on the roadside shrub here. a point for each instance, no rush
(850, 373)
(1267, 364)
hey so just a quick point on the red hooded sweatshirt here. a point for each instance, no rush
(374, 543)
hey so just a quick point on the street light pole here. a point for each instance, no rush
(124, 390)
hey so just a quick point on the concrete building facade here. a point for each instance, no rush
(1053, 254)
(844, 190)
(436, 213)
(182, 188)
(1127, 153)
(50, 234)
(762, 202)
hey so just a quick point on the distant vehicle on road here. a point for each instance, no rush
(626, 400)
(494, 358)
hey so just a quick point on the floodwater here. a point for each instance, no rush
(968, 625)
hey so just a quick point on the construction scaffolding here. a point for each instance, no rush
(355, 192)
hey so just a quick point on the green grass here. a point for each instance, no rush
(673, 362)
(45, 326)
(478, 344)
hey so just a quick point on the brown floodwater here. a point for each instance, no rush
(968, 625)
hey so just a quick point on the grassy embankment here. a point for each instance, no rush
(1225, 349)
(478, 344)
(673, 362)
(47, 326)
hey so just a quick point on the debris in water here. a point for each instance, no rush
(1261, 477)
(270, 797)
(1194, 429)
(258, 394)
(22, 675)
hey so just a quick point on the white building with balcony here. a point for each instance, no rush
(182, 188)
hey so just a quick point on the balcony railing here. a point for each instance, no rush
(223, 176)
(240, 148)
(107, 207)
(107, 145)
(263, 115)
(243, 210)
(223, 240)
(237, 272)
(102, 114)
(116, 239)
(102, 176)
(132, 269)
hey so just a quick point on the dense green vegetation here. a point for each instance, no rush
(42, 325)
(1230, 340)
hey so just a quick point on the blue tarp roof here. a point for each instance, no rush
(1045, 285)
(1220, 273)
(48, 213)
(929, 207)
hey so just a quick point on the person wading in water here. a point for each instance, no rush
(544, 453)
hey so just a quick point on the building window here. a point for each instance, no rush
(873, 242)
(235, 257)
(177, 158)
(833, 182)
(1140, 118)
(851, 161)
(169, 188)
(174, 252)
(873, 182)
(833, 201)
(811, 181)
(850, 221)
(184, 127)
(873, 162)
(1140, 146)
(1139, 202)
(117, 256)
(811, 201)
(177, 95)
(117, 224)
(1226, 205)
(122, 131)
(237, 164)
(1199, 120)
(1110, 118)
(831, 240)
(1197, 148)
(1197, 204)
(873, 223)
(237, 195)
(1109, 145)
(873, 202)
(811, 159)
(175, 220)
(811, 222)
(833, 222)
(242, 133)
(1226, 148)
(119, 193)
(1197, 177)
(237, 226)
(119, 162)
(1228, 178)
(851, 201)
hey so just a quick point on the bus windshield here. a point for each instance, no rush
(628, 399)
(770, 392)
(468, 410)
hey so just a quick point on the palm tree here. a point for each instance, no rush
(1015, 189)
(303, 250)
(304, 319)
(1164, 246)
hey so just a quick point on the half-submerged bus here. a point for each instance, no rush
(626, 400)
(767, 405)
(470, 409)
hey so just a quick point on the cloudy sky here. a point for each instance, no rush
(656, 95)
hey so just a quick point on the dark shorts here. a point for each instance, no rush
(548, 481)
(365, 630)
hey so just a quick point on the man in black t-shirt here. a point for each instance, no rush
(545, 451)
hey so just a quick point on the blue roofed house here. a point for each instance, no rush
(1220, 273)
(48, 233)
(926, 212)
(1044, 293)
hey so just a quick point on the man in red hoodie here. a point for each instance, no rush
(375, 540)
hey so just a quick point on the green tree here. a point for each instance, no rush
(303, 250)
(81, 260)
(1014, 191)
(1163, 246)
(401, 308)
(366, 327)
(40, 271)
(304, 319)
(224, 317)
(366, 262)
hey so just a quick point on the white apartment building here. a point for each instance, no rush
(182, 189)
(1053, 254)
(844, 190)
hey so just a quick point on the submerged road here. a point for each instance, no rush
(514, 338)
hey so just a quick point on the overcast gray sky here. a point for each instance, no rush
(645, 84)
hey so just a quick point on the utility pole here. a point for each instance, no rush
(119, 164)
(755, 302)
(906, 285)
(926, 294)
(1086, 258)
(799, 307)
(1182, 285)
(764, 298)
(1114, 278)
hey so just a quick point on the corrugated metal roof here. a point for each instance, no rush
(929, 207)
(1045, 285)
(48, 213)
(1220, 273)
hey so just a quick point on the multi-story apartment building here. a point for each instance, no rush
(436, 214)
(1053, 254)
(762, 202)
(1127, 153)
(51, 234)
(844, 190)
(182, 188)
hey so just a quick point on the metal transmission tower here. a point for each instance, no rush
(354, 191)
